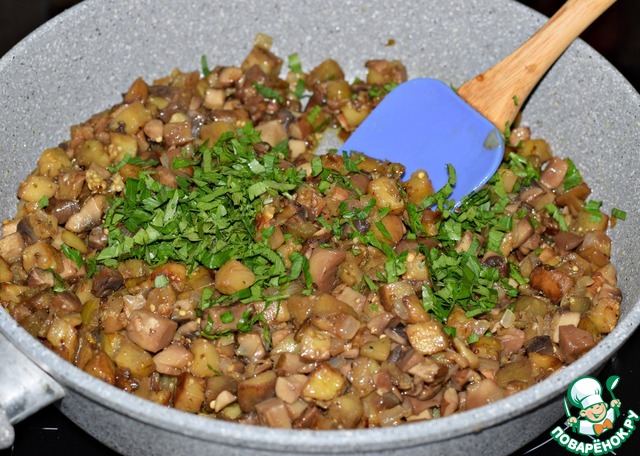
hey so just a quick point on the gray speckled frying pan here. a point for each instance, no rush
(80, 62)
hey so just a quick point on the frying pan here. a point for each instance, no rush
(81, 61)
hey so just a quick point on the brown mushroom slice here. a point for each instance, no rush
(89, 216)
(574, 342)
(150, 331)
(553, 174)
(172, 359)
(63, 209)
(334, 316)
(107, 281)
(289, 388)
(273, 412)
(482, 393)
(553, 283)
(323, 266)
(256, 389)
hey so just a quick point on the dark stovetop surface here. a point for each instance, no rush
(50, 432)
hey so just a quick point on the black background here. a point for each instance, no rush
(615, 35)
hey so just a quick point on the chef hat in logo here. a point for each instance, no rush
(585, 392)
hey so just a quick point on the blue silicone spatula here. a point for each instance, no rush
(424, 124)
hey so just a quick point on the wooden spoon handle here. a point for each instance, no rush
(499, 92)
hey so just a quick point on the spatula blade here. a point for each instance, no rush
(423, 124)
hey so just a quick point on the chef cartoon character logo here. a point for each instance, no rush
(601, 424)
(595, 416)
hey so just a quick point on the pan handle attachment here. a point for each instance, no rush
(24, 389)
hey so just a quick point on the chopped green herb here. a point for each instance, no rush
(572, 178)
(314, 113)
(619, 214)
(129, 160)
(268, 92)
(593, 208)
(205, 66)
(160, 281)
(226, 317)
(473, 338)
(449, 331)
(294, 63)
(557, 216)
(209, 218)
(43, 202)
(72, 254)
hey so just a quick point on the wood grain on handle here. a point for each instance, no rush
(492, 93)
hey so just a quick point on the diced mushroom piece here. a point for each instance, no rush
(521, 232)
(323, 266)
(107, 281)
(63, 209)
(66, 302)
(567, 240)
(256, 389)
(450, 402)
(400, 299)
(563, 318)
(409, 359)
(272, 132)
(150, 331)
(273, 412)
(427, 370)
(334, 316)
(574, 342)
(89, 216)
(553, 174)
(172, 360)
(37, 226)
(512, 341)
(11, 247)
(98, 238)
(215, 387)
(427, 337)
(222, 318)
(289, 388)
(539, 344)
(553, 283)
(482, 393)
(250, 346)
(38, 277)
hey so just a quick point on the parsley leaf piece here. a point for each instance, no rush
(557, 216)
(72, 254)
(572, 178)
